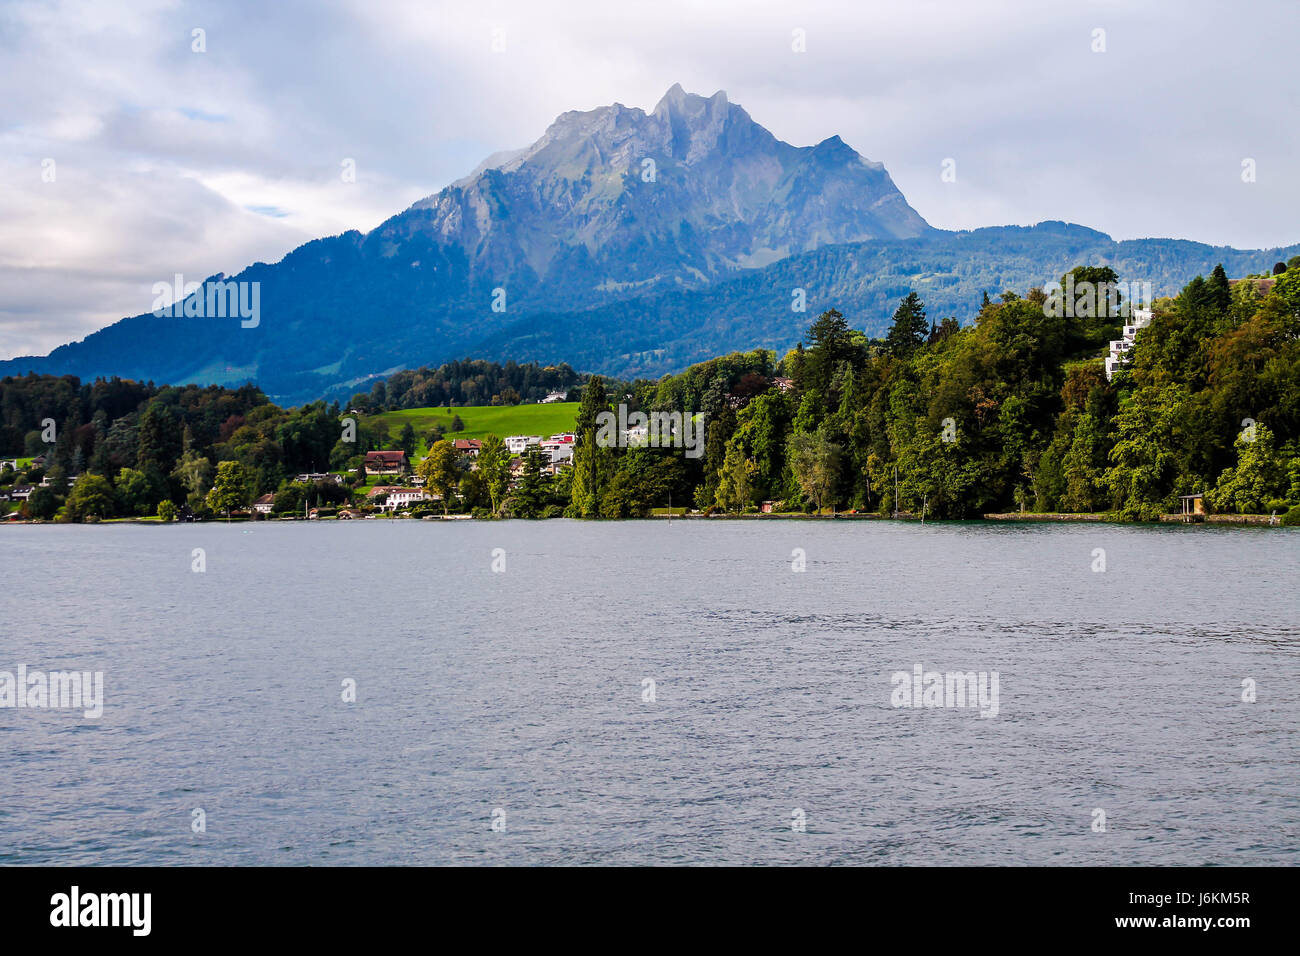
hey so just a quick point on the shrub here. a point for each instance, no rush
(1292, 518)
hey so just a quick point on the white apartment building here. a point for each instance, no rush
(518, 444)
(1121, 349)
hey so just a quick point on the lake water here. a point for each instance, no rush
(522, 691)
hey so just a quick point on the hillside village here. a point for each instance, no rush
(399, 487)
(392, 484)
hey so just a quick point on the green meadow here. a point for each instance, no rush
(482, 420)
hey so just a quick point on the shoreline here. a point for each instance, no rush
(1257, 521)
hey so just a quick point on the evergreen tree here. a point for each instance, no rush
(531, 497)
(159, 439)
(590, 463)
(909, 328)
(406, 439)
(831, 343)
(1218, 295)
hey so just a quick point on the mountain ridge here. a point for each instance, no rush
(612, 214)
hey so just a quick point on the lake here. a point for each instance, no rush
(651, 692)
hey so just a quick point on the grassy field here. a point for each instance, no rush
(480, 420)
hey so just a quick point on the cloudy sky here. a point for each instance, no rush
(127, 155)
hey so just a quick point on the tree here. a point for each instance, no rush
(830, 343)
(91, 496)
(532, 496)
(166, 511)
(1084, 466)
(1218, 294)
(233, 489)
(194, 474)
(42, 503)
(134, 495)
(473, 492)
(736, 484)
(1260, 476)
(909, 328)
(160, 439)
(456, 424)
(494, 465)
(406, 439)
(1144, 459)
(440, 471)
(816, 462)
(945, 330)
(590, 462)
(289, 499)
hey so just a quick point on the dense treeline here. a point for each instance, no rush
(135, 445)
(467, 382)
(1013, 412)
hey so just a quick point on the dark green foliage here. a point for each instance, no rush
(466, 382)
(1011, 412)
(909, 328)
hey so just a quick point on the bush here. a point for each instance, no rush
(1292, 518)
(166, 511)
(43, 504)
(1139, 512)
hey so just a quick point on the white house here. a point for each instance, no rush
(550, 445)
(263, 504)
(555, 397)
(397, 496)
(518, 444)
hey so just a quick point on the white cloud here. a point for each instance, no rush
(170, 160)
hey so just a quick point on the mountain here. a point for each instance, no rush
(617, 199)
(623, 242)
